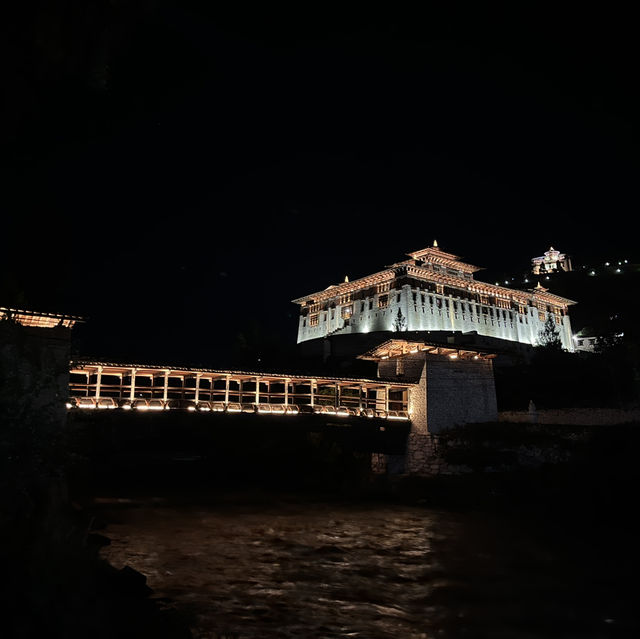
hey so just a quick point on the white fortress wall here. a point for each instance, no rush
(432, 312)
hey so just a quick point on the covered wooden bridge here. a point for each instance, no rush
(103, 385)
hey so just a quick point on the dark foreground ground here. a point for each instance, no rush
(62, 587)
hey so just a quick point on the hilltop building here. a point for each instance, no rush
(431, 291)
(551, 262)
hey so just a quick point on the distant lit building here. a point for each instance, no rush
(588, 341)
(551, 262)
(586, 344)
(431, 291)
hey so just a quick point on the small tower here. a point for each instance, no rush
(552, 261)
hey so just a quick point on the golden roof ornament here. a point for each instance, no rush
(540, 288)
(435, 243)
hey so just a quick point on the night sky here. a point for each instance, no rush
(177, 172)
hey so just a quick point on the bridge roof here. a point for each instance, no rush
(111, 368)
(399, 347)
(38, 319)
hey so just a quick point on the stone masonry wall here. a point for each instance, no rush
(459, 391)
(422, 458)
(409, 366)
(418, 443)
(34, 373)
(449, 392)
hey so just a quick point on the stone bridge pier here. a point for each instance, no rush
(449, 387)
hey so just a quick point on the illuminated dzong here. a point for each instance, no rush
(432, 291)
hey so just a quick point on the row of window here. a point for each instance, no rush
(450, 305)
(384, 291)
(455, 305)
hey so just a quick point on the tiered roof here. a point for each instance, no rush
(430, 256)
(434, 255)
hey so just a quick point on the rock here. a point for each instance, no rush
(133, 582)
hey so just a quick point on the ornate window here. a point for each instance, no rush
(313, 320)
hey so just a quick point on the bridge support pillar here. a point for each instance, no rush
(165, 388)
(98, 382)
(451, 390)
(132, 391)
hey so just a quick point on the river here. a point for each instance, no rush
(315, 569)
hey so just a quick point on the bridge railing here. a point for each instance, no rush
(109, 403)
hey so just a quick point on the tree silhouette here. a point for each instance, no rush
(400, 323)
(549, 337)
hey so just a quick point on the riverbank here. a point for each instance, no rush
(557, 469)
(60, 586)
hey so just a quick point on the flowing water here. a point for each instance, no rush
(370, 570)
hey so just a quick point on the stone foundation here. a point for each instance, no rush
(573, 416)
(422, 458)
(449, 392)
